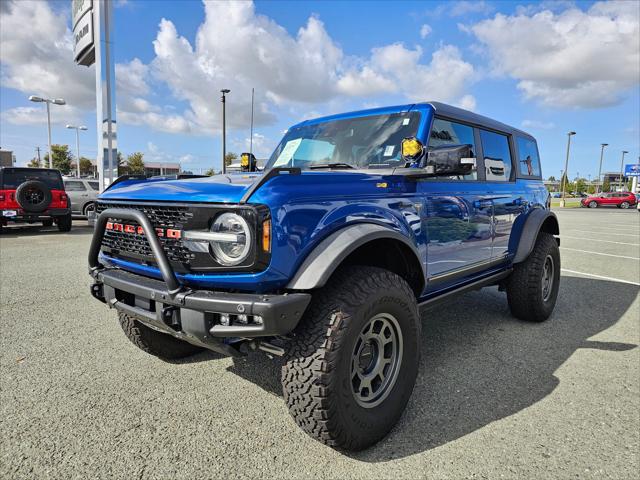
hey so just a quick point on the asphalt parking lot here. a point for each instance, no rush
(495, 397)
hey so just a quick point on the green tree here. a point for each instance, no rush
(62, 158)
(86, 167)
(122, 165)
(581, 185)
(135, 163)
(606, 186)
(229, 158)
(552, 178)
(34, 163)
(210, 172)
(591, 190)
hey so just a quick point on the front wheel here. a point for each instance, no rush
(532, 288)
(353, 359)
(593, 204)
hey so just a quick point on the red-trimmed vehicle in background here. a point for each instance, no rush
(617, 199)
(31, 195)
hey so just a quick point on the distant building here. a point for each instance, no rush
(161, 168)
(7, 158)
(614, 180)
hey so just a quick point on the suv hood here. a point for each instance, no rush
(215, 189)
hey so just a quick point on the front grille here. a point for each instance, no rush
(137, 246)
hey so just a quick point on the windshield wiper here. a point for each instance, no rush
(330, 165)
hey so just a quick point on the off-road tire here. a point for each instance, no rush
(524, 285)
(316, 374)
(155, 343)
(64, 223)
(30, 190)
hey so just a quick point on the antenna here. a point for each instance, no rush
(251, 132)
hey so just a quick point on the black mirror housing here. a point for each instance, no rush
(451, 160)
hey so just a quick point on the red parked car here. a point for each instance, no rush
(618, 199)
(30, 195)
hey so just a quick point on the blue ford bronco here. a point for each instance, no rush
(327, 255)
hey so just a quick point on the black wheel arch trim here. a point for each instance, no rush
(533, 224)
(329, 254)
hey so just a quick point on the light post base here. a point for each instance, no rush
(562, 203)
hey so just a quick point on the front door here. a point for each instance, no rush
(458, 212)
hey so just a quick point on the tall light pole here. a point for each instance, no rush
(602, 145)
(224, 91)
(566, 169)
(57, 101)
(624, 152)
(82, 127)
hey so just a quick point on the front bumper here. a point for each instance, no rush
(200, 317)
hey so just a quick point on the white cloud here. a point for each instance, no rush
(262, 146)
(37, 56)
(425, 30)
(458, 9)
(571, 59)
(468, 102)
(397, 69)
(36, 115)
(537, 125)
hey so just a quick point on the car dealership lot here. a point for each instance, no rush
(495, 397)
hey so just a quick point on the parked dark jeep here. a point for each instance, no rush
(31, 195)
(327, 255)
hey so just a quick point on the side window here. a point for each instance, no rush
(446, 133)
(94, 186)
(74, 186)
(528, 157)
(497, 156)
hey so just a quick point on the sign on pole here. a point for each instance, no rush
(632, 170)
(93, 43)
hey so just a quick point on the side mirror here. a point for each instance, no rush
(248, 162)
(451, 160)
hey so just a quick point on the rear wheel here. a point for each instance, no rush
(89, 207)
(159, 344)
(532, 288)
(624, 205)
(64, 223)
(353, 359)
(593, 204)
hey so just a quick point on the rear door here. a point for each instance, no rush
(500, 175)
(458, 212)
(78, 194)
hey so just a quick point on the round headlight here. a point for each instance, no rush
(231, 251)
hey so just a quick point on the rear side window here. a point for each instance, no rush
(12, 178)
(74, 186)
(446, 133)
(497, 156)
(528, 158)
(94, 186)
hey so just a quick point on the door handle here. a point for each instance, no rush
(482, 203)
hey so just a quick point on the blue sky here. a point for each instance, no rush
(545, 67)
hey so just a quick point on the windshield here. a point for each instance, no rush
(362, 142)
(11, 178)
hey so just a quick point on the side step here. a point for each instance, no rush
(475, 285)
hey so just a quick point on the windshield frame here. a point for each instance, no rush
(380, 148)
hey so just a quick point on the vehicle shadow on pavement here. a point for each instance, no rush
(479, 364)
(37, 230)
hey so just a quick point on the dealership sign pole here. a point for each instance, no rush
(93, 43)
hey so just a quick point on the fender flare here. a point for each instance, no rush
(327, 256)
(532, 226)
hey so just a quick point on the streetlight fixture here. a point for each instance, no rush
(224, 91)
(566, 169)
(624, 152)
(600, 168)
(82, 127)
(57, 101)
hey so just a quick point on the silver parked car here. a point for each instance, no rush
(82, 192)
